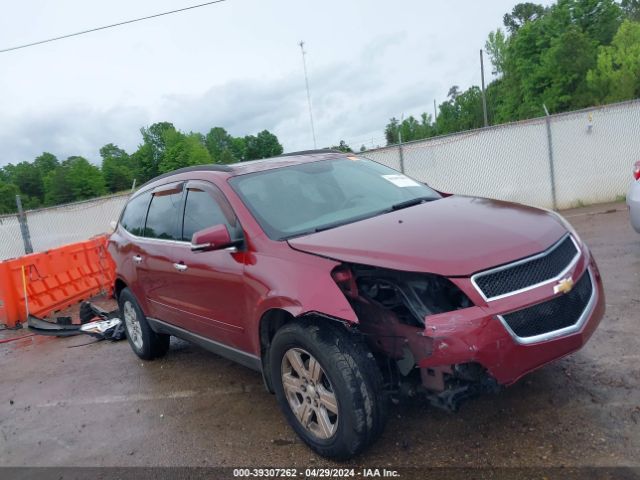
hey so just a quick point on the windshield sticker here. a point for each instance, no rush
(401, 180)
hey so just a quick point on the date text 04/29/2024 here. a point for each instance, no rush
(315, 473)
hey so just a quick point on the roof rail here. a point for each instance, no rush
(310, 152)
(195, 168)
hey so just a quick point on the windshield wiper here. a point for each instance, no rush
(411, 203)
(329, 226)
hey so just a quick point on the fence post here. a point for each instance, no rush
(24, 227)
(552, 172)
(401, 157)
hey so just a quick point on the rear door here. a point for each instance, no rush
(210, 286)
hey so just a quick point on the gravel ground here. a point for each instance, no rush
(64, 402)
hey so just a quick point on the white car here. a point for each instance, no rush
(633, 198)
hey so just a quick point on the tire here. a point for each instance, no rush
(144, 342)
(333, 397)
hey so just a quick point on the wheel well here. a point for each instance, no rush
(272, 321)
(118, 287)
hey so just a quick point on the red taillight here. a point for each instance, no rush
(636, 171)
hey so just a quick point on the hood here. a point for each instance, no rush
(454, 236)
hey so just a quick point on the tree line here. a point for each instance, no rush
(571, 55)
(48, 181)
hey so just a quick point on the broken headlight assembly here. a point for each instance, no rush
(410, 296)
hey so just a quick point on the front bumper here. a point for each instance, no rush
(477, 334)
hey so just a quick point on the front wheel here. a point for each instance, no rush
(329, 388)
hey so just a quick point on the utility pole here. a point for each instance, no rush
(435, 116)
(552, 168)
(400, 144)
(24, 227)
(484, 95)
(306, 81)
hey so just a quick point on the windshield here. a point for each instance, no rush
(301, 199)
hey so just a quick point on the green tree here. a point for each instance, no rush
(496, 48)
(117, 168)
(85, 179)
(391, 131)
(58, 186)
(218, 143)
(8, 192)
(28, 179)
(521, 14)
(182, 151)
(563, 71)
(463, 111)
(239, 149)
(46, 163)
(631, 9)
(263, 145)
(617, 74)
(342, 147)
(152, 150)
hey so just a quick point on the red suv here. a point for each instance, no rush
(345, 282)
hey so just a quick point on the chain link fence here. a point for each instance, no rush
(56, 226)
(560, 161)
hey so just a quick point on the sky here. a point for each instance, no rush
(236, 64)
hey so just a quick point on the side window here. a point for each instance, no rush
(132, 219)
(163, 215)
(202, 210)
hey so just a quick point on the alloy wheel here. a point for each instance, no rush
(133, 324)
(309, 393)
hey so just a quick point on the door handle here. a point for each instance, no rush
(137, 259)
(181, 267)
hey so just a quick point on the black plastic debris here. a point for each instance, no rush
(94, 321)
(89, 312)
(58, 329)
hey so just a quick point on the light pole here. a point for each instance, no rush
(306, 81)
(484, 95)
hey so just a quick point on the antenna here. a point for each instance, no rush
(306, 81)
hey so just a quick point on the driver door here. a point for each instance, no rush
(209, 285)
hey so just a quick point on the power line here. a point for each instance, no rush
(40, 42)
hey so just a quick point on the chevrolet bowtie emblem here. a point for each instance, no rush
(563, 286)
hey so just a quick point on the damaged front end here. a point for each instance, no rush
(393, 308)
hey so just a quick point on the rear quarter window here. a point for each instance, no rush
(135, 212)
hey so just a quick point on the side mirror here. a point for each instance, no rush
(211, 238)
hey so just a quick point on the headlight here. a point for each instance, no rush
(410, 296)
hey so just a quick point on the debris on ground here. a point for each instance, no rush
(112, 329)
(57, 329)
(94, 321)
(107, 327)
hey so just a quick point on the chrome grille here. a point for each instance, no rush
(553, 316)
(528, 272)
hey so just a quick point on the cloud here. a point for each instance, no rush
(350, 99)
(77, 130)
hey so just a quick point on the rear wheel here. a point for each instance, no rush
(145, 343)
(329, 388)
